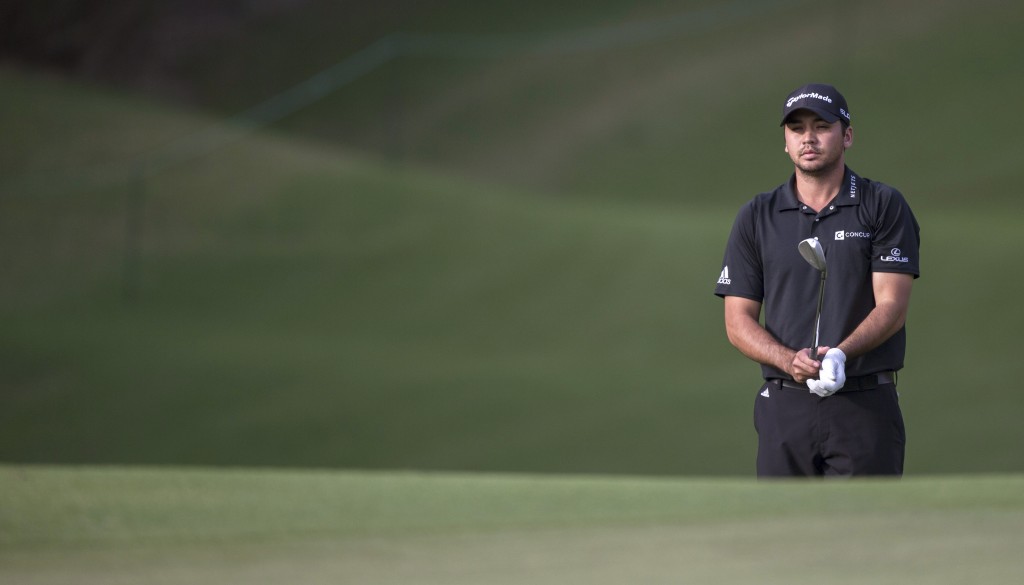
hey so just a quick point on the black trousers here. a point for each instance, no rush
(851, 433)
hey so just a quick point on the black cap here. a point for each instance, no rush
(822, 99)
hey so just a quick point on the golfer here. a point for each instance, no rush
(832, 411)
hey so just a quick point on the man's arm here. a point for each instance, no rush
(745, 332)
(892, 299)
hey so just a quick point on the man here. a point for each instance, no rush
(833, 412)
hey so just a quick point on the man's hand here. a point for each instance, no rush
(805, 366)
(832, 375)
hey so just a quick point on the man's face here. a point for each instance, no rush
(814, 145)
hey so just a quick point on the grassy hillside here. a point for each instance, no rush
(112, 525)
(282, 300)
(650, 100)
(340, 312)
(294, 305)
(626, 100)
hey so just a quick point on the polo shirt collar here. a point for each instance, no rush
(849, 192)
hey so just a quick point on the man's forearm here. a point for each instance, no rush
(881, 323)
(753, 341)
(892, 298)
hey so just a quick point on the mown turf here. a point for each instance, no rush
(663, 101)
(120, 525)
(170, 296)
(294, 305)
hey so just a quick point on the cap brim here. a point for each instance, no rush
(824, 114)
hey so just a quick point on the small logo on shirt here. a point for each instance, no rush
(843, 234)
(765, 393)
(896, 256)
(724, 277)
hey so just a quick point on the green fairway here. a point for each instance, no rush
(300, 306)
(452, 321)
(122, 525)
(661, 101)
(523, 283)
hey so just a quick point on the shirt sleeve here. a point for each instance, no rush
(742, 273)
(896, 240)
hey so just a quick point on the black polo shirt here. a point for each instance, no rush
(868, 227)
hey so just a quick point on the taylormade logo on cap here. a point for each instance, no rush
(818, 96)
(822, 99)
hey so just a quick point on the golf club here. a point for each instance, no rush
(812, 251)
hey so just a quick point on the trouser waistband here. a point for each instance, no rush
(869, 382)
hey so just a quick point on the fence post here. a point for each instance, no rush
(135, 199)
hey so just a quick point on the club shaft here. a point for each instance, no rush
(817, 316)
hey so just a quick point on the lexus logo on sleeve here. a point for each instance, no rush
(896, 255)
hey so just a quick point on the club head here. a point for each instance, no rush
(812, 251)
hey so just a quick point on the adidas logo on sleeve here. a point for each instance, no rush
(724, 277)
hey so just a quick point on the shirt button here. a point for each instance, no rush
(831, 207)
(817, 219)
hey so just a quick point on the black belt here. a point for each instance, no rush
(869, 382)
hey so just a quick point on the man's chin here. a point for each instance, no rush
(817, 168)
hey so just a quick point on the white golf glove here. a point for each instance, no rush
(832, 375)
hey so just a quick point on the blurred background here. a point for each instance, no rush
(471, 236)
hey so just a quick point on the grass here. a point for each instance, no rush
(512, 276)
(485, 324)
(166, 525)
(679, 116)
(291, 302)
(299, 305)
